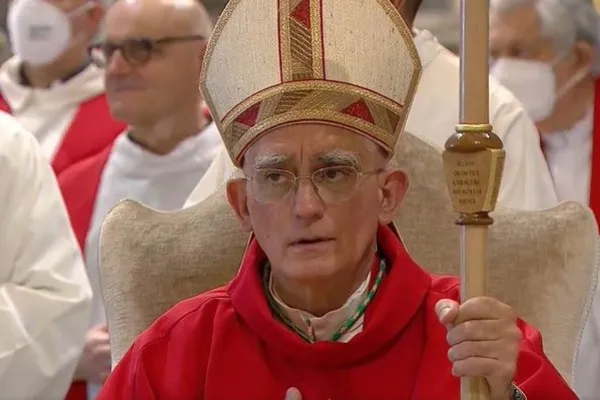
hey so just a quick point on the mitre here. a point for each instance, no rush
(270, 63)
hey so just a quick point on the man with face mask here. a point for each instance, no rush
(50, 86)
(546, 52)
(526, 183)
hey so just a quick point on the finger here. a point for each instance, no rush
(99, 328)
(99, 338)
(477, 367)
(100, 356)
(103, 351)
(447, 311)
(293, 394)
(104, 376)
(479, 308)
(495, 350)
(476, 330)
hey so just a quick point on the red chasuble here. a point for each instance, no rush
(78, 165)
(226, 344)
(595, 177)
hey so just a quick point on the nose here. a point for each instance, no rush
(116, 64)
(308, 204)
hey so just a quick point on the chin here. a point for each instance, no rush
(121, 113)
(310, 268)
(122, 99)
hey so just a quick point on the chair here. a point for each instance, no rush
(541, 263)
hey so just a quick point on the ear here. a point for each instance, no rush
(96, 14)
(237, 197)
(393, 189)
(583, 55)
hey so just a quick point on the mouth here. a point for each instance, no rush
(123, 86)
(127, 89)
(314, 242)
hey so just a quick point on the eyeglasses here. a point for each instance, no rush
(332, 184)
(135, 51)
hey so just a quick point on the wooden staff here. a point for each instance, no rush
(473, 161)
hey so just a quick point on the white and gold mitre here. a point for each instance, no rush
(269, 63)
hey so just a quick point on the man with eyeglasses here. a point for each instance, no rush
(151, 53)
(327, 303)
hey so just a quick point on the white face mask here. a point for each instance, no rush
(534, 84)
(39, 31)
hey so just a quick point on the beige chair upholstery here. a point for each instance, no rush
(542, 263)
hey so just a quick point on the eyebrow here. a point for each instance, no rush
(339, 157)
(270, 161)
(329, 158)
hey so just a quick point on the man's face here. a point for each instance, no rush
(155, 78)
(518, 34)
(306, 235)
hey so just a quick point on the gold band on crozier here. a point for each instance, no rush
(473, 128)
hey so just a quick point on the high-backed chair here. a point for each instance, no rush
(542, 263)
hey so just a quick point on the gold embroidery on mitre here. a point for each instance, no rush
(341, 104)
(396, 112)
(300, 40)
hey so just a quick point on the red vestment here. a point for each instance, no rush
(226, 344)
(78, 165)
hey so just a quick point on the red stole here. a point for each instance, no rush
(78, 165)
(93, 120)
(595, 176)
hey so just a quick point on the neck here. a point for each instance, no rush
(326, 295)
(571, 108)
(163, 136)
(43, 76)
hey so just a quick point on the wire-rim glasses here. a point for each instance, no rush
(333, 184)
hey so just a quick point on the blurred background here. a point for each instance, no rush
(441, 17)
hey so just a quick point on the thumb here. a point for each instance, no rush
(447, 311)
(293, 394)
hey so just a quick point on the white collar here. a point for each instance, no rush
(196, 150)
(85, 85)
(580, 134)
(325, 327)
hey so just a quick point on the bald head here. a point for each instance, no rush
(153, 52)
(161, 17)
